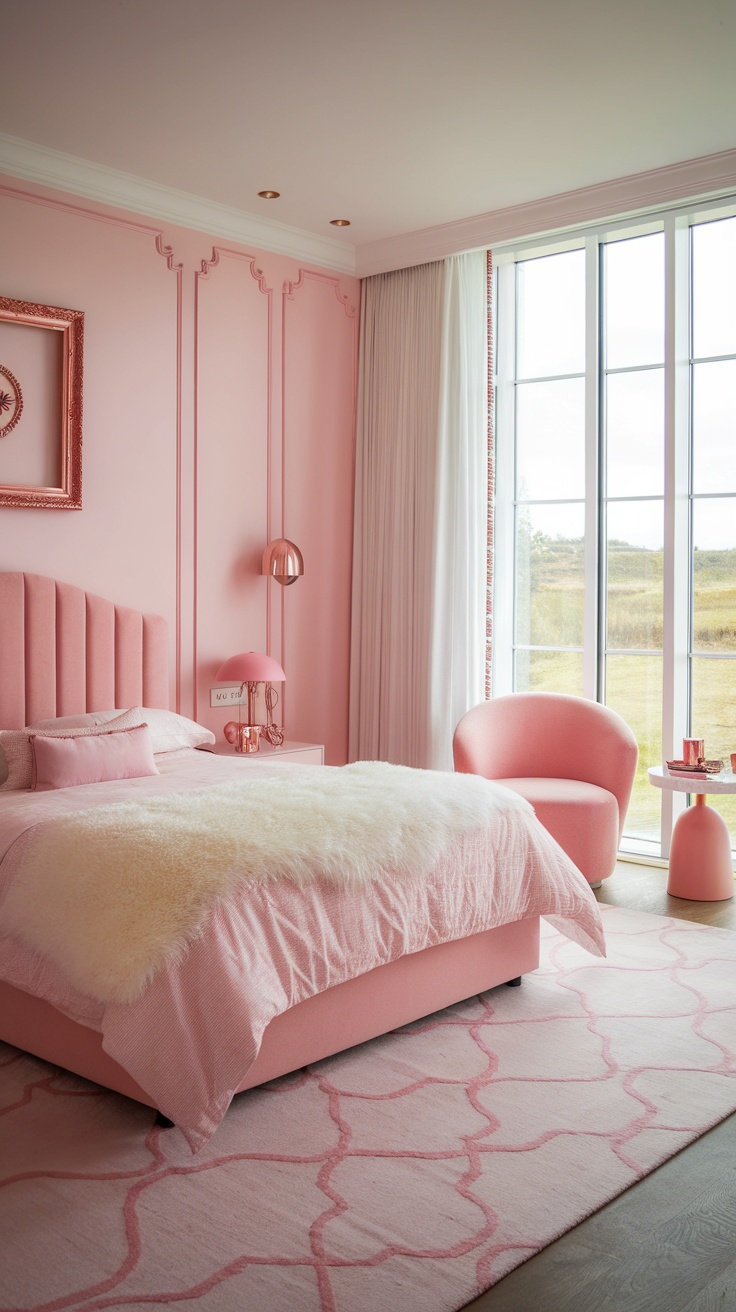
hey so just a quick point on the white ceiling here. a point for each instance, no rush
(397, 114)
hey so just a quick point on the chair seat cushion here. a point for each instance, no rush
(582, 817)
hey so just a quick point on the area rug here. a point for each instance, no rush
(410, 1173)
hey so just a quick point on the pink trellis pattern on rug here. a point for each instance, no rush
(411, 1172)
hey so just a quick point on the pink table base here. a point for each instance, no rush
(701, 862)
(701, 865)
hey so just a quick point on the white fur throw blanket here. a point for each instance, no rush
(113, 893)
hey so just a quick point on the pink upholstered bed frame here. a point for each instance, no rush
(64, 652)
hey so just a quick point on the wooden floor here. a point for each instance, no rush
(669, 1243)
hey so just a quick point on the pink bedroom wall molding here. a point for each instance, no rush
(202, 274)
(178, 269)
(166, 251)
(162, 527)
(289, 290)
(83, 211)
(43, 166)
(347, 302)
(344, 298)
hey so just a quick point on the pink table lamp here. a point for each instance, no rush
(249, 668)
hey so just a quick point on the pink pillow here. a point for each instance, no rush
(91, 758)
(15, 744)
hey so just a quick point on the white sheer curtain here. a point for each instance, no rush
(419, 568)
(457, 659)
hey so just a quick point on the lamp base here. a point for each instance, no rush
(248, 739)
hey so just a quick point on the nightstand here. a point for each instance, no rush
(299, 753)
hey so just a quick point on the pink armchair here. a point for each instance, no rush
(573, 759)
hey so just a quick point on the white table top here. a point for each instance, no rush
(265, 748)
(725, 782)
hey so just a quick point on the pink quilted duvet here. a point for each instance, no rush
(193, 1034)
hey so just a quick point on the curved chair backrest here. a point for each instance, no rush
(548, 735)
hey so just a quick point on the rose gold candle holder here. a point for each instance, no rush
(248, 738)
(693, 750)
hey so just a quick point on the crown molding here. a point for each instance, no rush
(705, 178)
(81, 177)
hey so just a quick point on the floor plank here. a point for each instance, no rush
(666, 1244)
(718, 1296)
(644, 888)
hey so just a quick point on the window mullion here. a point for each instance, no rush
(502, 674)
(591, 678)
(676, 509)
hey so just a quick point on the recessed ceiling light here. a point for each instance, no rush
(340, 223)
(270, 195)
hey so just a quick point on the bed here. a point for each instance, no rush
(185, 1042)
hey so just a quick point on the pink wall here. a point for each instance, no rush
(219, 398)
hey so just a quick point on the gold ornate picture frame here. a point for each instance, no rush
(41, 369)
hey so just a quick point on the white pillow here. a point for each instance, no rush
(170, 732)
(15, 744)
(90, 720)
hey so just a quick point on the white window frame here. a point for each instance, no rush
(675, 223)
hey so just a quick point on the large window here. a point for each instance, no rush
(615, 561)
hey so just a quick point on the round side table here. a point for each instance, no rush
(701, 864)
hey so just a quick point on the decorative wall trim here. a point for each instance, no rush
(97, 216)
(344, 299)
(167, 253)
(351, 312)
(201, 275)
(705, 178)
(709, 176)
(55, 168)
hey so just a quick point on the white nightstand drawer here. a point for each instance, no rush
(299, 753)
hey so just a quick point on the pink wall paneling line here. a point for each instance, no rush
(214, 421)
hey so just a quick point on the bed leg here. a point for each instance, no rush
(513, 983)
(163, 1122)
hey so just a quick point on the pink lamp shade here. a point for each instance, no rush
(250, 667)
(283, 560)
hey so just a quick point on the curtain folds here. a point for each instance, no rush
(421, 504)
(396, 471)
(458, 648)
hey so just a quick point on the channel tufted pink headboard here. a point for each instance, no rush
(64, 651)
